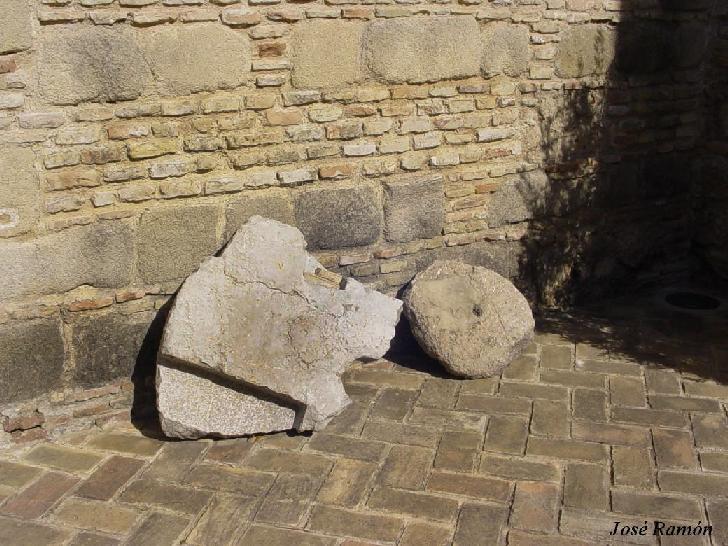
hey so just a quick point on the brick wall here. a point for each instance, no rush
(551, 140)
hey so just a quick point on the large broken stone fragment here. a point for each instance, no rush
(469, 318)
(265, 328)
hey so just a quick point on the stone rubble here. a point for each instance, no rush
(258, 337)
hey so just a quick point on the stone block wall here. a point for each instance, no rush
(551, 140)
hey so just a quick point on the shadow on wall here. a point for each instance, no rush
(621, 159)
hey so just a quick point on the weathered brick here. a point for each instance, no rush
(108, 478)
(506, 434)
(567, 449)
(470, 486)
(413, 504)
(659, 506)
(406, 467)
(94, 515)
(494, 404)
(480, 524)
(398, 433)
(519, 468)
(35, 500)
(343, 522)
(556, 356)
(632, 467)
(23, 533)
(393, 404)
(607, 433)
(158, 528)
(679, 403)
(535, 507)
(221, 521)
(425, 534)
(674, 449)
(17, 475)
(126, 443)
(270, 460)
(63, 458)
(241, 482)
(550, 418)
(709, 485)
(179, 499)
(585, 486)
(639, 416)
(346, 485)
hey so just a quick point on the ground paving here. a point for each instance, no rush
(602, 420)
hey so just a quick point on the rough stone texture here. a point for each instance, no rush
(100, 255)
(422, 49)
(585, 50)
(193, 405)
(505, 49)
(414, 208)
(519, 198)
(469, 318)
(341, 217)
(109, 346)
(107, 60)
(172, 242)
(268, 316)
(199, 57)
(15, 27)
(19, 190)
(274, 205)
(326, 53)
(31, 358)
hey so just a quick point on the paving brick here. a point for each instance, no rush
(455, 459)
(85, 538)
(174, 460)
(607, 433)
(63, 458)
(35, 500)
(648, 417)
(632, 467)
(350, 421)
(714, 461)
(611, 367)
(354, 448)
(550, 418)
(386, 378)
(425, 534)
(174, 497)
(221, 521)
(126, 443)
(710, 431)
(681, 403)
(413, 504)
(535, 507)
(589, 404)
(393, 404)
(718, 514)
(585, 486)
(467, 485)
(567, 449)
(494, 405)
(478, 386)
(522, 368)
(674, 449)
(340, 522)
(710, 485)
(597, 526)
(234, 480)
(534, 390)
(506, 434)
(398, 433)
(271, 460)
(519, 468)
(95, 516)
(627, 391)
(271, 536)
(17, 475)
(283, 513)
(229, 451)
(521, 538)
(108, 478)
(25, 533)
(707, 389)
(570, 378)
(406, 467)
(347, 483)
(452, 420)
(556, 356)
(158, 528)
(662, 381)
(480, 524)
(438, 393)
(657, 506)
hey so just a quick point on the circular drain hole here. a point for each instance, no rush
(692, 301)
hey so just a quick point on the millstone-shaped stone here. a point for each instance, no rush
(469, 318)
(258, 337)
